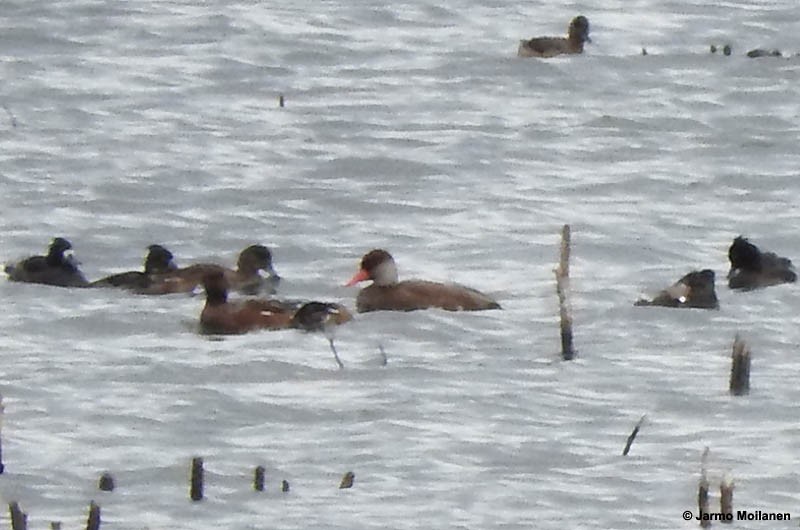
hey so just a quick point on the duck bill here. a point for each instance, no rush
(360, 276)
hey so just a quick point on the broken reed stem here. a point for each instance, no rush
(93, 522)
(633, 434)
(19, 519)
(562, 287)
(196, 489)
(740, 368)
(702, 492)
(2, 416)
(347, 480)
(258, 480)
(335, 354)
(726, 499)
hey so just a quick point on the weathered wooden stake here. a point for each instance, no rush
(285, 486)
(740, 368)
(19, 519)
(196, 491)
(281, 101)
(562, 287)
(726, 499)
(702, 492)
(633, 434)
(258, 480)
(347, 480)
(106, 482)
(93, 522)
(2, 417)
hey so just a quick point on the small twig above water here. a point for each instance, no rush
(335, 354)
(633, 434)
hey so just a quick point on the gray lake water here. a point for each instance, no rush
(410, 126)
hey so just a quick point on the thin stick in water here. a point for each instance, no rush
(740, 368)
(335, 355)
(19, 519)
(726, 499)
(702, 492)
(347, 480)
(562, 288)
(384, 358)
(633, 434)
(2, 417)
(196, 489)
(93, 522)
(258, 480)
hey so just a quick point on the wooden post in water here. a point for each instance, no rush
(281, 101)
(633, 434)
(285, 486)
(19, 519)
(2, 417)
(196, 489)
(726, 499)
(258, 480)
(106, 482)
(740, 368)
(55, 525)
(702, 492)
(562, 288)
(93, 522)
(347, 480)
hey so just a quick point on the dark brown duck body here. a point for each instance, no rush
(158, 261)
(752, 269)
(222, 317)
(388, 294)
(56, 268)
(552, 46)
(694, 290)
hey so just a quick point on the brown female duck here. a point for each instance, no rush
(552, 46)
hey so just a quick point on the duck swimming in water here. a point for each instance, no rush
(578, 34)
(751, 268)
(695, 289)
(57, 268)
(159, 260)
(388, 294)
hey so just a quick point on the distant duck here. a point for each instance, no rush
(246, 278)
(57, 268)
(159, 260)
(552, 46)
(760, 52)
(389, 294)
(695, 290)
(751, 268)
(223, 317)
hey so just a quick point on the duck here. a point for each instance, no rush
(158, 260)
(695, 290)
(388, 294)
(58, 267)
(223, 317)
(751, 268)
(319, 316)
(578, 33)
(246, 278)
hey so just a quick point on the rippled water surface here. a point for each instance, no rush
(410, 126)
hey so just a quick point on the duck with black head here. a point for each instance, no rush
(752, 269)
(694, 290)
(158, 260)
(387, 293)
(246, 278)
(58, 267)
(578, 34)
